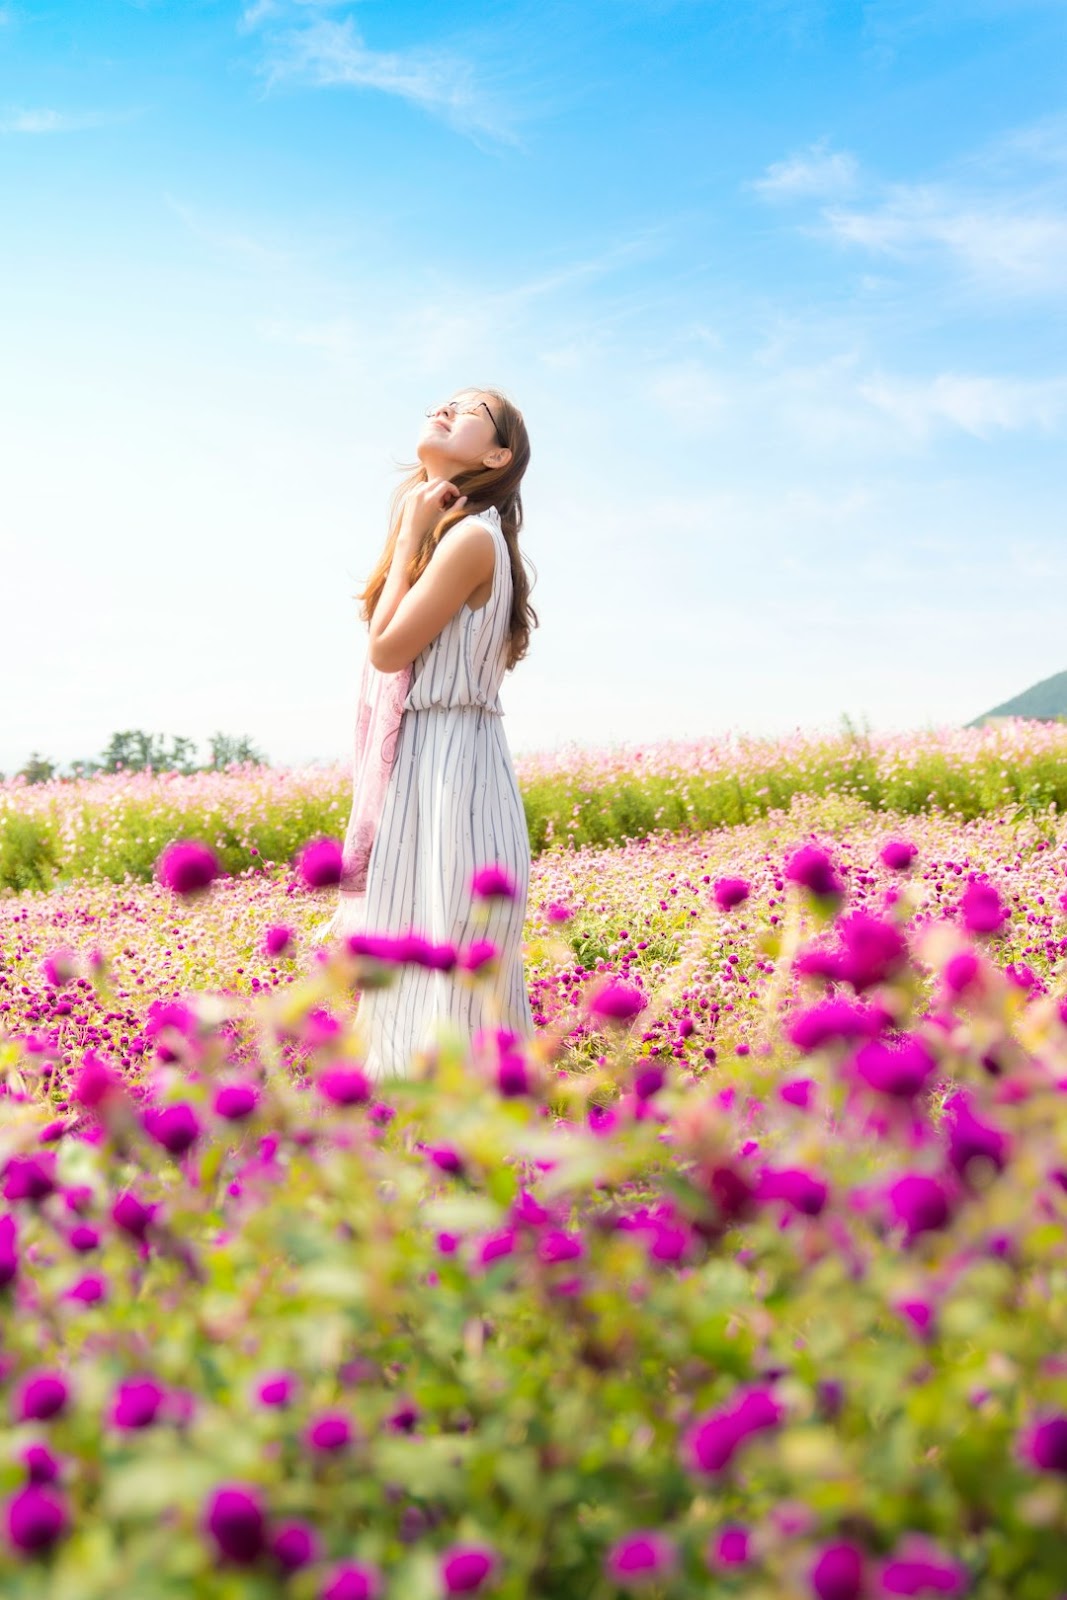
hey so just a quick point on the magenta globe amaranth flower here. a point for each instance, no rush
(466, 1568)
(617, 1002)
(131, 1215)
(29, 1178)
(344, 1086)
(321, 863)
(731, 892)
(898, 854)
(41, 1465)
(60, 968)
(919, 1568)
(981, 908)
(294, 1545)
(730, 1547)
(640, 1558)
(921, 1204)
(801, 1190)
(175, 1127)
(329, 1433)
(187, 867)
(813, 870)
(833, 1021)
(898, 1067)
(837, 1573)
(235, 1521)
(713, 1441)
(136, 1403)
(235, 1102)
(276, 1389)
(35, 1518)
(43, 1395)
(872, 950)
(1044, 1445)
(493, 883)
(973, 1145)
(355, 1580)
(277, 940)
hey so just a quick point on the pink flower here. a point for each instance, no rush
(920, 1568)
(277, 1389)
(43, 1395)
(95, 1083)
(617, 1002)
(294, 1545)
(175, 1127)
(495, 1246)
(344, 1086)
(640, 1558)
(558, 912)
(277, 940)
(321, 863)
(981, 908)
(353, 1581)
(729, 1548)
(873, 950)
(60, 967)
(970, 1139)
(136, 1403)
(478, 954)
(730, 892)
(838, 1573)
(465, 1569)
(556, 1246)
(831, 1021)
(187, 867)
(897, 1067)
(329, 1433)
(898, 854)
(920, 1204)
(493, 883)
(236, 1101)
(133, 1217)
(1045, 1444)
(814, 871)
(714, 1440)
(236, 1522)
(35, 1518)
(799, 1189)
(962, 972)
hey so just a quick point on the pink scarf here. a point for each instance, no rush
(380, 709)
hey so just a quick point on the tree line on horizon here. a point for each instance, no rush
(133, 750)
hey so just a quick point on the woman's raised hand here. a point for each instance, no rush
(424, 505)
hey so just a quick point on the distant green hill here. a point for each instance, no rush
(1044, 701)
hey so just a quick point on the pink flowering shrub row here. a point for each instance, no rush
(114, 827)
(791, 1325)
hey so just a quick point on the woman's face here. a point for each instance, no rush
(461, 435)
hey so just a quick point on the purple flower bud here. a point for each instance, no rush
(712, 1442)
(969, 1139)
(799, 1092)
(465, 1569)
(729, 1548)
(898, 1067)
(838, 1573)
(88, 1291)
(730, 892)
(480, 953)
(495, 1246)
(344, 1086)
(831, 1021)
(129, 1214)
(920, 1204)
(446, 1159)
(981, 908)
(235, 1102)
(60, 968)
(277, 1389)
(556, 1246)
(799, 1189)
(353, 1581)
(920, 1313)
(187, 867)
(513, 1076)
(617, 1002)
(1045, 1445)
(234, 1519)
(41, 1465)
(898, 854)
(873, 950)
(36, 1517)
(9, 1255)
(640, 1558)
(648, 1081)
(294, 1545)
(919, 1568)
(136, 1403)
(175, 1127)
(277, 940)
(321, 863)
(493, 883)
(329, 1433)
(962, 972)
(814, 871)
(29, 1178)
(42, 1395)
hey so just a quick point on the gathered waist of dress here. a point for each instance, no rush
(462, 705)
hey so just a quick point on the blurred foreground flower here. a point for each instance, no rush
(187, 867)
(321, 863)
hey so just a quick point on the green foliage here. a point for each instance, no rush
(29, 855)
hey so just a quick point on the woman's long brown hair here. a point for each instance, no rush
(483, 486)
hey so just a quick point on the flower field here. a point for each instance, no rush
(745, 1277)
(114, 827)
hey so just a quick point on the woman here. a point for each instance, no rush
(436, 797)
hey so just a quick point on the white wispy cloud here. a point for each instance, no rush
(815, 173)
(327, 53)
(42, 119)
(1018, 244)
(976, 404)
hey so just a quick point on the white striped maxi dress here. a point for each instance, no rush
(452, 805)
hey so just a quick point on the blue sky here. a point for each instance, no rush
(779, 286)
